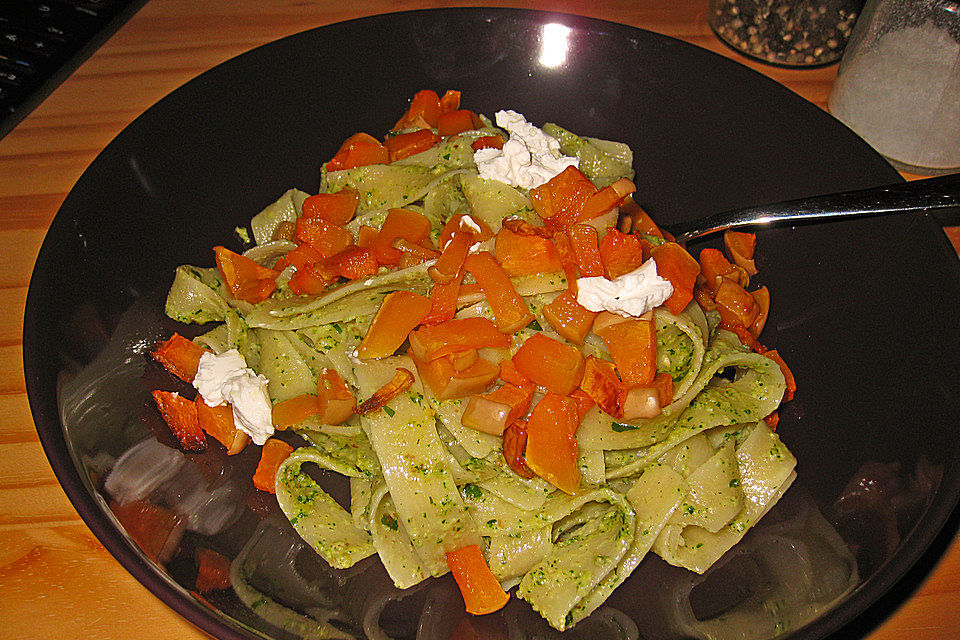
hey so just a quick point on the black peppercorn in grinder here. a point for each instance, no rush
(792, 33)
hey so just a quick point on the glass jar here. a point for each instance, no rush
(898, 85)
(794, 33)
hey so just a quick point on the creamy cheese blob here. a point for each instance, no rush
(226, 378)
(630, 295)
(528, 159)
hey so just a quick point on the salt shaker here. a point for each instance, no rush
(898, 85)
(793, 33)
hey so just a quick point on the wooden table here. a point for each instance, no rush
(55, 577)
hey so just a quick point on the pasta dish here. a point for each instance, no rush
(526, 381)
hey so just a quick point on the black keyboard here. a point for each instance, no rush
(44, 41)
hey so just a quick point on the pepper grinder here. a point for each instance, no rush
(898, 85)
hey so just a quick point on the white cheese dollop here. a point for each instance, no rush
(528, 159)
(226, 378)
(630, 295)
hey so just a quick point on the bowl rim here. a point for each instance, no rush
(97, 516)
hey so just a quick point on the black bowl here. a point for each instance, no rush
(866, 312)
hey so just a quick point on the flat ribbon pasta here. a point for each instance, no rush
(686, 484)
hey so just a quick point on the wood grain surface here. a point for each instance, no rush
(56, 580)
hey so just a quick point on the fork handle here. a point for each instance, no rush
(928, 194)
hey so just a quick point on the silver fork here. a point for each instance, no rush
(929, 194)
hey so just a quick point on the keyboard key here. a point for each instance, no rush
(55, 32)
(10, 78)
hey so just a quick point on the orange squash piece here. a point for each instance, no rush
(567, 260)
(410, 255)
(218, 423)
(443, 379)
(398, 315)
(423, 113)
(561, 199)
(401, 381)
(443, 300)
(435, 374)
(366, 235)
(336, 208)
(509, 373)
(633, 347)
(762, 297)
(354, 263)
(456, 223)
(621, 253)
(486, 415)
(482, 594)
(740, 247)
(245, 279)
(312, 279)
(735, 305)
(524, 255)
(274, 452)
(551, 450)
(663, 383)
(772, 420)
(451, 123)
(493, 412)
(640, 403)
(179, 356)
(359, 150)
(326, 238)
(460, 334)
(291, 412)
(487, 142)
(180, 415)
(335, 401)
(601, 384)
(514, 448)
(787, 374)
(523, 228)
(606, 318)
(551, 364)
(399, 223)
(508, 307)
(606, 199)
(703, 296)
(517, 397)
(463, 360)
(584, 240)
(303, 256)
(410, 144)
(452, 257)
(450, 101)
(746, 337)
(680, 268)
(584, 403)
(714, 266)
(568, 317)
(474, 379)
